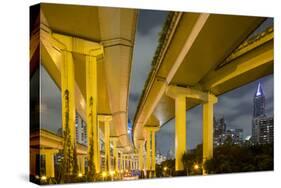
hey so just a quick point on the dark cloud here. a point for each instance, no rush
(149, 19)
(134, 97)
(50, 102)
(149, 25)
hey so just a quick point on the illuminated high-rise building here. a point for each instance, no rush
(262, 126)
(259, 102)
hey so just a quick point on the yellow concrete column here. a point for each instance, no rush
(148, 150)
(98, 168)
(121, 161)
(153, 148)
(208, 114)
(180, 131)
(125, 162)
(81, 162)
(106, 119)
(151, 161)
(68, 95)
(49, 162)
(107, 145)
(91, 93)
(115, 152)
(135, 163)
(141, 164)
(132, 163)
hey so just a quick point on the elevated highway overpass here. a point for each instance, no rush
(201, 57)
(87, 51)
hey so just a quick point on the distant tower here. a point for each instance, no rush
(259, 102)
(258, 113)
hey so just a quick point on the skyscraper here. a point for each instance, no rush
(264, 130)
(259, 102)
(262, 126)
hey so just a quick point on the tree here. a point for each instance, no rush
(68, 162)
(192, 160)
(245, 158)
(75, 162)
(91, 165)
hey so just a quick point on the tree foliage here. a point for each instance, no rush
(245, 158)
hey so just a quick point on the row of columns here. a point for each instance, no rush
(68, 45)
(128, 162)
(148, 162)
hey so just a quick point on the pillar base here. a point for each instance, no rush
(152, 173)
(148, 172)
(180, 173)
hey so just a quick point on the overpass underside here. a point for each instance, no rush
(87, 51)
(201, 57)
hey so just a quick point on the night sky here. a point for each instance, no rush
(236, 106)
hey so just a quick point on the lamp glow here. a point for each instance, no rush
(104, 174)
(43, 178)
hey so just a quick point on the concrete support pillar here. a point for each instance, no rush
(151, 162)
(121, 162)
(68, 99)
(180, 131)
(106, 119)
(125, 162)
(50, 165)
(49, 162)
(115, 152)
(98, 168)
(208, 115)
(180, 94)
(81, 164)
(141, 161)
(132, 163)
(91, 108)
(148, 150)
(107, 145)
(135, 164)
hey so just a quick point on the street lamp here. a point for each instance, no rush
(43, 178)
(104, 174)
(196, 167)
(165, 171)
